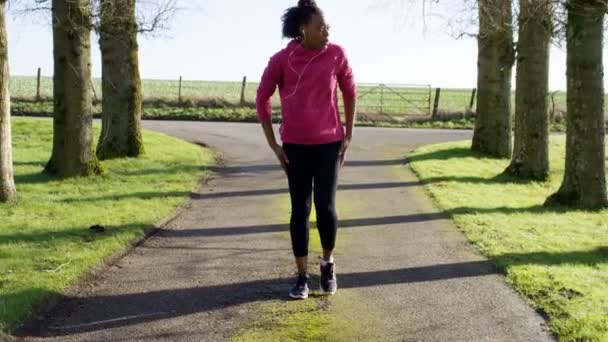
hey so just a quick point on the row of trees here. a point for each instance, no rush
(117, 25)
(584, 182)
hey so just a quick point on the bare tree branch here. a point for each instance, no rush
(153, 16)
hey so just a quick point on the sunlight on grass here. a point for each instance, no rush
(557, 258)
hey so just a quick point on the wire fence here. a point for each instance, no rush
(387, 101)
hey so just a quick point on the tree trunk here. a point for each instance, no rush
(8, 191)
(584, 183)
(531, 152)
(72, 116)
(122, 97)
(492, 135)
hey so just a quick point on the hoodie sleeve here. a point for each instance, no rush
(270, 79)
(346, 79)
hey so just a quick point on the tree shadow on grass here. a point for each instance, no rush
(76, 235)
(446, 154)
(169, 170)
(460, 152)
(592, 257)
(535, 209)
(18, 305)
(30, 163)
(43, 177)
(35, 178)
(498, 179)
(134, 195)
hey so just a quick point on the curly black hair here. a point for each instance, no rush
(297, 16)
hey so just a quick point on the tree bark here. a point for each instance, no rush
(8, 191)
(584, 183)
(492, 134)
(122, 96)
(531, 146)
(72, 116)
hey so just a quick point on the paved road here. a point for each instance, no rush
(203, 276)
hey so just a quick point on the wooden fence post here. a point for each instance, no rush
(38, 98)
(382, 99)
(436, 105)
(179, 92)
(430, 100)
(243, 90)
(472, 103)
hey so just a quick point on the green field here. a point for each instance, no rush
(391, 99)
(391, 105)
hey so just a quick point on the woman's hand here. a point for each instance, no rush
(281, 156)
(343, 148)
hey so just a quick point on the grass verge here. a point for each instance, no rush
(46, 243)
(556, 257)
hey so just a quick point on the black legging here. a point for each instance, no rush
(308, 165)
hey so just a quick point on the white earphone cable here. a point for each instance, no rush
(303, 70)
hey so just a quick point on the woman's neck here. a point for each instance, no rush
(308, 47)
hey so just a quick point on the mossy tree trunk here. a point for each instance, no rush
(531, 146)
(122, 96)
(8, 191)
(492, 134)
(584, 183)
(72, 154)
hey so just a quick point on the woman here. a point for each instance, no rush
(307, 73)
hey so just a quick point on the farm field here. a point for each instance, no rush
(391, 100)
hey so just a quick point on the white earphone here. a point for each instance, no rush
(305, 67)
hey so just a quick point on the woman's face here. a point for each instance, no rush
(316, 32)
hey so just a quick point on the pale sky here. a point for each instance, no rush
(227, 39)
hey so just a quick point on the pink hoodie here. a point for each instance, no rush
(309, 104)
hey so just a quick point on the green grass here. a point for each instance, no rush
(557, 258)
(45, 240)
(308, 320)
(336, 318)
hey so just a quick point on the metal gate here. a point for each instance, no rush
(394, 99)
